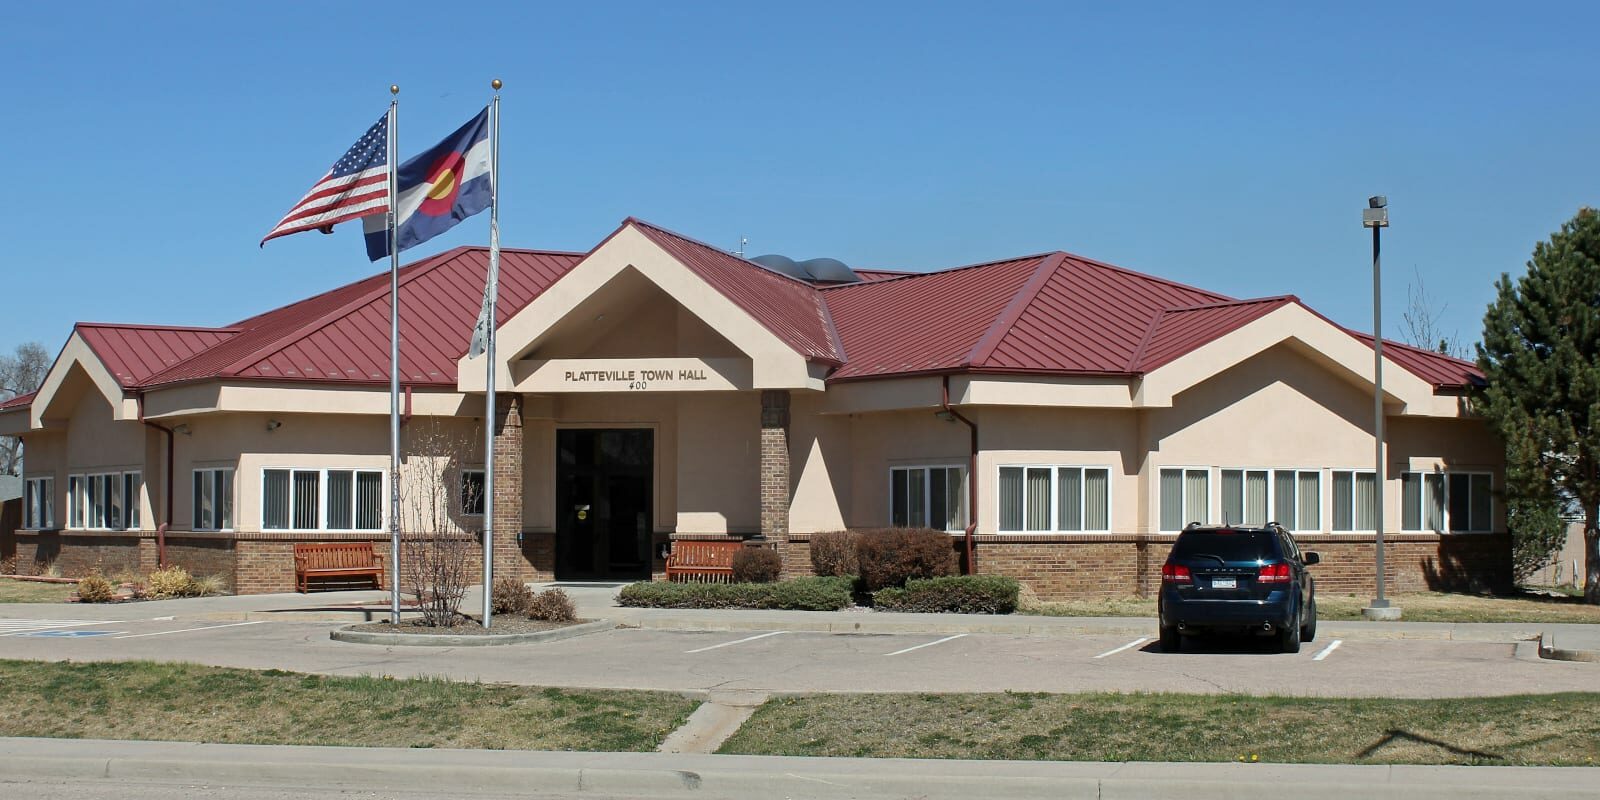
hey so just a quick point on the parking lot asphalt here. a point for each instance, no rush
(784, 661)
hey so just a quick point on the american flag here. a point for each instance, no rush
(356, 186)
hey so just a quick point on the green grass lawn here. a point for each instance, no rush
(1531, 729)
(1417, 606)
(15, 591)
(189, 703)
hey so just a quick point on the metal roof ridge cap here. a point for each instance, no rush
(99, 356)
(941, 271)
(1145, 275)
(1149, 334)
(145, 326)
(1284, 298)
(1007, 318)
(691, 240)
(419, 268)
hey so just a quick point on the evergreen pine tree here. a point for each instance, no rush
(1541, 355)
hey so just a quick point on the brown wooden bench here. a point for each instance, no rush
(702, 562)
(336, 560)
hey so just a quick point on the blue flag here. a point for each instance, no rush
(438, 188)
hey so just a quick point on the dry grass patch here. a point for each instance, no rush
(15, 591)
(1530, 729)
(190, 703)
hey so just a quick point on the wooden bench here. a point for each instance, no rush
(702, 562)
(336, 560)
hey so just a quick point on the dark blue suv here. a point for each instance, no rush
(1240, 579)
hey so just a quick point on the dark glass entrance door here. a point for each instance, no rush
(603, 502)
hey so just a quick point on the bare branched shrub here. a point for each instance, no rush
(436, 563)
(510, 596)
(552, 605)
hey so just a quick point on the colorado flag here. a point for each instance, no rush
(442, 186)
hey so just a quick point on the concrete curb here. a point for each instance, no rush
(486, 640)
(1548, 649)
(665, 775)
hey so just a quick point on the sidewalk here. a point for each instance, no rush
(714, 777)
(1566, 641)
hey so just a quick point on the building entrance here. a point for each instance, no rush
(604, 481)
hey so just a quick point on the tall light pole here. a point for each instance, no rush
(1376, 217)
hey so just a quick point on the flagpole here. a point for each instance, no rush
(492, 296)
(394, 363)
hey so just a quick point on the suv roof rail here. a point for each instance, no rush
(1191, 525)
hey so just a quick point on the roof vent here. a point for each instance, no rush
(815, 270)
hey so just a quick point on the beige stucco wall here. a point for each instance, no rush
(880, 441)
(718, 462)
(821, 466)
(1064, 437)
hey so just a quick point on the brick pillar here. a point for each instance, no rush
(508, 559)
(775, 468)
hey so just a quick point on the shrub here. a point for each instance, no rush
(834, 553)
(891, 556)
(956, 594)
(799, 594)
(96, 589)
(8, 565)
(173, 581)
(510, 596)
(552, 605)
(756, 565)
(206, 585)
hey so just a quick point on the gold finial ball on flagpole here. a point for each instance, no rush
(394, 88)
(496, 84)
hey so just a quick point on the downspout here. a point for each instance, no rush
(972, 475)
(161, 530)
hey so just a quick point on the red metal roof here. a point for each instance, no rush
(925, 322)
(343, 335)
(1177, 331)
(1443, 371)
(792, 309)
(881, 274)
(133, 353)
(20, 401)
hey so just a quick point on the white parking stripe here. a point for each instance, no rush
(1134, 643)
(1332, 646)
(187, 630)
(926, 644)
(17, 627)
(740, 641)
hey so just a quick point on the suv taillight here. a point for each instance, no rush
(1274, 573)
(1175, 573)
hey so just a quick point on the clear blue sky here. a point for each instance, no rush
(151, 145)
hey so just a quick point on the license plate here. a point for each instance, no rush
(1224, 583)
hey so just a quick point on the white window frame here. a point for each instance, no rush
(39, 502)
(927, 496)
(94, 508)
(1213, 496)
(461, 488)
(1323, 484)
(1333, 507)
(1243, 473)
(1055, 499)
(194, 524)
(1468, 473)
(322, 498)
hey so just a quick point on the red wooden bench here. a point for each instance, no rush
(336, 560)
(702, 562)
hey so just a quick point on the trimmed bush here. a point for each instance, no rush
(552, 605)
(96, 589)
(834, 553)
(891, 556)
(166, 583)
(957, 594)
(800, 594)
(510, 596)
(756, 565)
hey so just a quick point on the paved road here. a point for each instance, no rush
(95, 769)
(796, 661)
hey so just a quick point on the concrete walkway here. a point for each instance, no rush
(456, 773)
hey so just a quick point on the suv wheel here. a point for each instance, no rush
(1289, 638)
(1308, 628)
(1171, 640)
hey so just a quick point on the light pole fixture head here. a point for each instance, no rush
(1376, 214)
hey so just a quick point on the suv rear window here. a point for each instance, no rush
(1233, 546)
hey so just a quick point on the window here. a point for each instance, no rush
(921, 497)
(311, 499)
(1244, 497)
(1185, 497)
(1047, 499)
(213, 500)
(104, 501)
(472, 492)
(1458, 502)
(39, 503)
(1355, 500)
(1297, 499)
